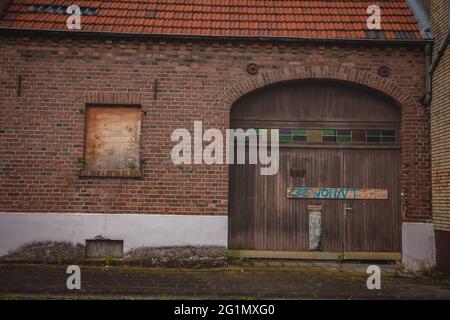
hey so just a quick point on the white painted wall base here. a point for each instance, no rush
(150, 230)
(419, 249)
(136, 230)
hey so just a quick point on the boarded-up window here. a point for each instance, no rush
(112, 140)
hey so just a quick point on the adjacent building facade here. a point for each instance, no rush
(87, 120)
(440, 137)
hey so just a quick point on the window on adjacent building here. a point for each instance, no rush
(112, 141)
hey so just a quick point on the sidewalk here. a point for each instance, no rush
(309, 281)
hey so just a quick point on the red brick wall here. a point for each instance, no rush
(42, 132)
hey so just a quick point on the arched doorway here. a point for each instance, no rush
(334, 137)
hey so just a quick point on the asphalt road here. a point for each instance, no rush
(22, 281)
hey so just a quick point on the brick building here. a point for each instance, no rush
(440, 138)
(87, 117)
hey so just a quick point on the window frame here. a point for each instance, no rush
(111, 173)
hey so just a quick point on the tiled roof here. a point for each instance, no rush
(254, 18)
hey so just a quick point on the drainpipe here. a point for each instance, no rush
(435, 62)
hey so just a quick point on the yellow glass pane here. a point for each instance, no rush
(314, 135)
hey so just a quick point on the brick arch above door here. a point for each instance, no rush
(415, 132)
(350, 75)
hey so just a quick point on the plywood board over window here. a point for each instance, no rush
(112, 141)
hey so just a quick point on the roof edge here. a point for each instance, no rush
(422, 18)
(108, 34)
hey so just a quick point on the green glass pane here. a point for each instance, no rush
(329, 132)
(344, 139)
(314, 135)
(284, 138)
(373, 133)
(388, 139)
(299, 132)
(374, 139)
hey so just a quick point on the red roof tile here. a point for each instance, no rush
(262, 18)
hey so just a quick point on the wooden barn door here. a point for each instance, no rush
(262, 219)
(372, 225)
(332, 136)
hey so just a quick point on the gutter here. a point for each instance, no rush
(427, 98)
(107, 34)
